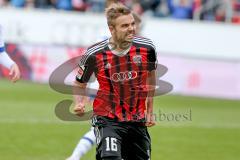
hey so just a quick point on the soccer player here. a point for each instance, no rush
(125, 69)
(88, 140)
(7, 62)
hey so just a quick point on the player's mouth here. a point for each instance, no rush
(130, 36)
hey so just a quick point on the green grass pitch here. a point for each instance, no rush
(208, 129)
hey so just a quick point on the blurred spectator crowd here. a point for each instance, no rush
(210, 10)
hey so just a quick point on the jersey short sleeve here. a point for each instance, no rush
(86, 68)
(152, 58)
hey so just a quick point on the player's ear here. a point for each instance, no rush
(111, 28)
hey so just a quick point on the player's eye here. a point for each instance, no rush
(125, 25)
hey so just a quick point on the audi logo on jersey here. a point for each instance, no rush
(124, 76)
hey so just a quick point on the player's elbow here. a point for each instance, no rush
(78, 84)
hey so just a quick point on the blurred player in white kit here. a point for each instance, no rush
(7, 62)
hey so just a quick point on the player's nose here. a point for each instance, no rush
(130, 28)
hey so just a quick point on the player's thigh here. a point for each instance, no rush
(109, 141)
(140, 145)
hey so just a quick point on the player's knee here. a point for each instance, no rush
(112, 158)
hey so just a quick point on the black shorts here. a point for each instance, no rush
(121, 140)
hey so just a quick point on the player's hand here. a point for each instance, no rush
(14, 73)
(150, 120)
(79, 109)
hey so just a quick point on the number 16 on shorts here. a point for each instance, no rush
(111, 144)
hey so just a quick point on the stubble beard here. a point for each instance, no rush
(124, 43)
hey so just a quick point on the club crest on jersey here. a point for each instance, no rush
(137, 59)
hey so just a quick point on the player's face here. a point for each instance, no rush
(124, 29)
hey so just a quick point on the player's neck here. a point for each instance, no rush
(119, 46)
(118, 50)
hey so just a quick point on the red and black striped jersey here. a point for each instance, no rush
(122, 79)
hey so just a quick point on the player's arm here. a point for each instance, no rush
(14, 73)
(86, 68)
(151, 85)
(79, 99)
(7, 62)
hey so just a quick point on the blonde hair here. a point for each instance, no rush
(114, 11)
(137, 18)
(110, 2)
